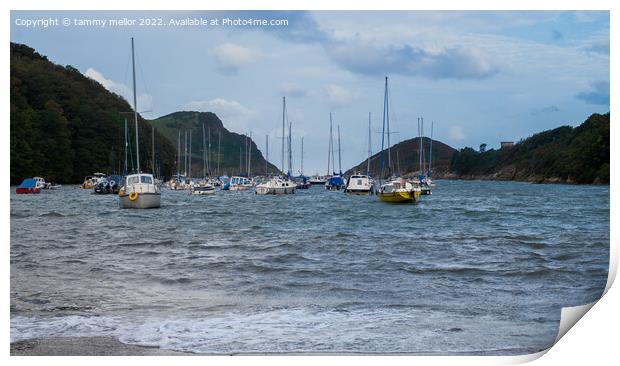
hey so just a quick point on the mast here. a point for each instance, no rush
(339, 158)
(430, 152)
(246, 153)
(240, 160)
(190, 154)
(283, 117)
(250, 155)
(179, 157)
(386, 107)
(329, 147)
(204, 152)
(419, 146)
(126, 146)
(153, 147)
(331, 142)
(219, 142)
(301, 171)
(185, 156)
(135, 104)
(369, 147)
(209, 152)
(267, 153)
(422, 145)
(290, 153)
(383, 132)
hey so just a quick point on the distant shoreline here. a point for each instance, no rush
(532, 180)
(111, 346)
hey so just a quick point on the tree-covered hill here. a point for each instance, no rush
(564, 154)
(65, 126)
(405, 159)
(232, 146)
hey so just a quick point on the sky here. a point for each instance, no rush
(477, 76)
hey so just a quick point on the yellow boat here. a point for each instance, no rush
(399, 191)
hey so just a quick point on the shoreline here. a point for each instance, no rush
(85, 346)
(111, 346)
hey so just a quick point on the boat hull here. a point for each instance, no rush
(27, 190)
(359, 191)
(144, 200)
(399, 196)
(275, 190)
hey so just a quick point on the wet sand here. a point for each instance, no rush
(85, 346)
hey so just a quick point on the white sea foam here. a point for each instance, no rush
(295, 330)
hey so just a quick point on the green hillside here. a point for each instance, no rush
(404, 157)
(229, 156)
(65, 126)
(564, 154)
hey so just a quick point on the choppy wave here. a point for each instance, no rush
(471, 269)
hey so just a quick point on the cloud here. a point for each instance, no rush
(371, 58)
(302, 27)
(233, 114)
(363, 57)
(145, 101)
(338, 95)
(601, 48)
(455, 133)
(231, 57)
(544, 110)
(598, 94)
(293, 90)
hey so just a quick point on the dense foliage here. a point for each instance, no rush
(579, 155)
(65, 126)
(233, 157)
(403, 158)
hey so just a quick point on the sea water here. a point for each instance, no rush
(475, 268)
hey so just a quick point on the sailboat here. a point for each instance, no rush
(423, 177)
(336, 181)
(204, 186)
(279, 185)
(139, 190)
(362, 183)
(396, 190)
(301, 180)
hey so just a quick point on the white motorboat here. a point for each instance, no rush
(276, 186)
(203, 188)
(359, 184)
(237, 183)
(139, 191)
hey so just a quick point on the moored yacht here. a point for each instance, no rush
(138, 190)
(276, 185)
(316, 180)
(203, 188)
(237, 183)
(359, 184)
(395, 189)
(399, 191)
(280, 185)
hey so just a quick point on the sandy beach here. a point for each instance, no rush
(85, 346)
